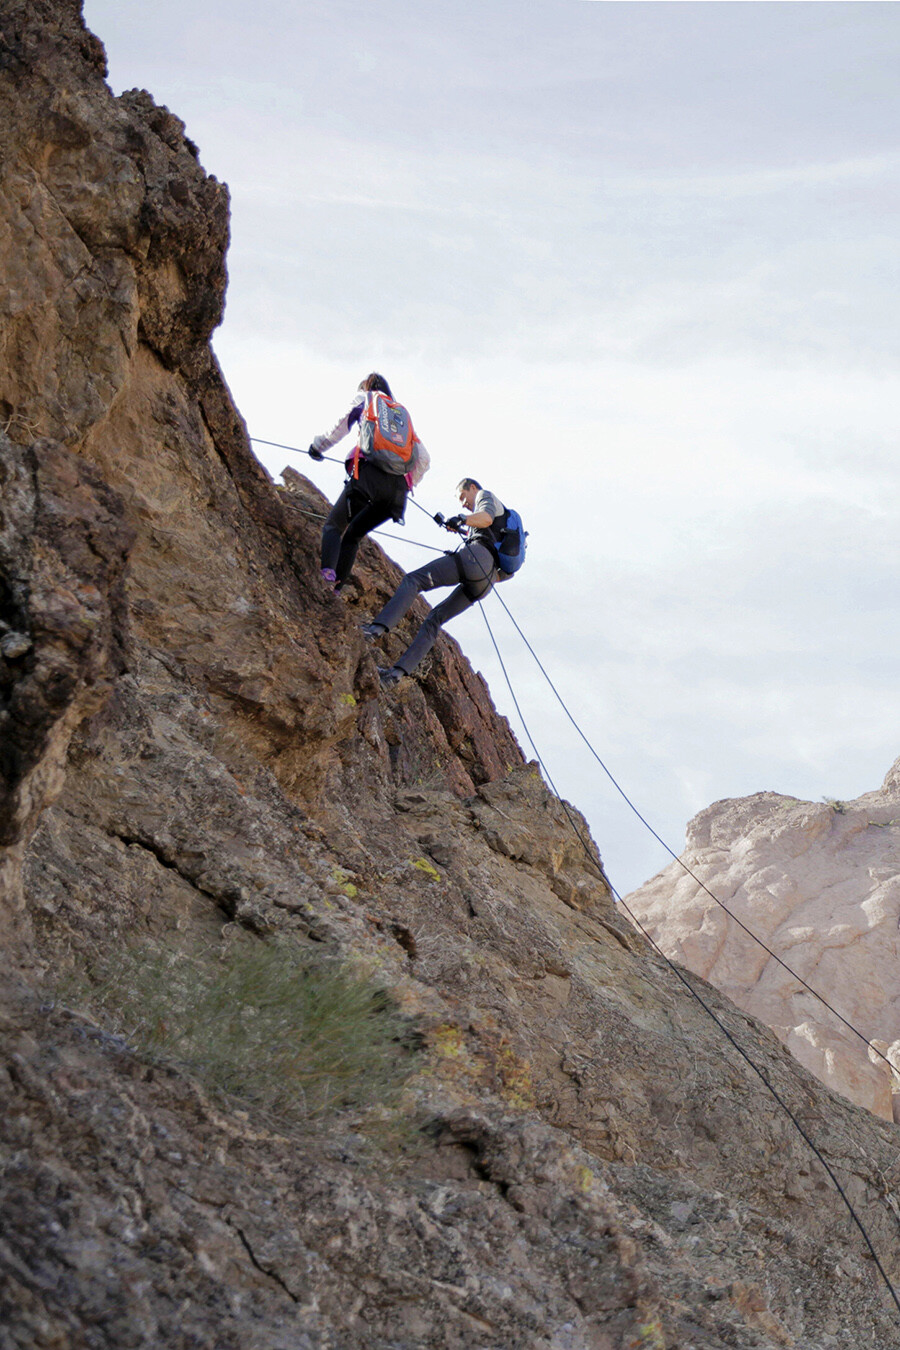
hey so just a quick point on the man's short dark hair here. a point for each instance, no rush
(465, 483)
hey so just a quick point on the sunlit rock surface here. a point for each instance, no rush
(819, 884)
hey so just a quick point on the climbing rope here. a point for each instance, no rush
(383, 534)
(672, 854)
(872, 1049)
(295, 449)
(680, 975)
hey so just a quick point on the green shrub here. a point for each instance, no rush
(297, 1035)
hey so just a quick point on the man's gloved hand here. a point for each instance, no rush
(314, 452)
(455, 523)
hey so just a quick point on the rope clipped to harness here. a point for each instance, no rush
(467, 585)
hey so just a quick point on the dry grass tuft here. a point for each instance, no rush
(297, 1035)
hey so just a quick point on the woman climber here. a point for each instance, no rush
(388, 461)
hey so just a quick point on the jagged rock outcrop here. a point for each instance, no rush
(819, 884)
(594, 1168)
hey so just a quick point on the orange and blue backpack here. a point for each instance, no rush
(386, 435)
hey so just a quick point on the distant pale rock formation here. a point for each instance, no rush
(819, 883)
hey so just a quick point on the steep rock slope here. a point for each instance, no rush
(193, 748)
(819, 884)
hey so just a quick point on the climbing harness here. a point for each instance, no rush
(507, 544)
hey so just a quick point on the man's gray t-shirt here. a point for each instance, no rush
(492, 506)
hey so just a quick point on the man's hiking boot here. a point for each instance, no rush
(393, 675)
(373, 631)
(329, 576)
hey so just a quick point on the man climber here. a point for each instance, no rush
(473, 570)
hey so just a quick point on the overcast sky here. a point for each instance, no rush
(634, 266)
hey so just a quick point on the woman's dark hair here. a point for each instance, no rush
(376, 384)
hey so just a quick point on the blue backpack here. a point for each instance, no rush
(511, 542)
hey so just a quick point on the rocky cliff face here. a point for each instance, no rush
(819, 883)
(194, 749)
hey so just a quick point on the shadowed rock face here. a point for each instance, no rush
(63, 549)
(819, 883)
(194, 747)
